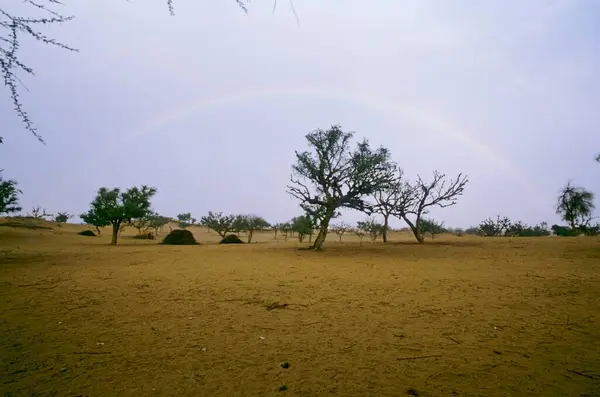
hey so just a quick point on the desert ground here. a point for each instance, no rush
(458, 316)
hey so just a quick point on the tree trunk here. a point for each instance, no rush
(415, 229)
(386, 219)
(340, 238)
(323, 229)
(98, 230)
(250, 236)
(115, 233)
(275, 235)
(310, 236)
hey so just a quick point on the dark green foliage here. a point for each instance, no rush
(9, 196)
(116, 208)
(88, 233)
(564, 231)
(144, 236)
(231, 239)
(303, 225)
(62, 217)
(431, 226)
(331, 175)
(222, 224)
(503, 226)
(180, 237)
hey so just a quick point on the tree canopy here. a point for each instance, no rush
(117, 208)
(9, 196)
(331, 175)
(575, 205)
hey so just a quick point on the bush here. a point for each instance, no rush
(231, 239)
(88, 233)
(180, 237)
(145, 236)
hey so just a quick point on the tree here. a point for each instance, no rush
(93, 218)
(157, 222)
(62, 217)
(302, 225)
(16, 26)
(117, 208)
(360, 234)
(285, 229)
(185, 220)
(575, 205)
(251, 224)
(9, 196)
(340, 177)
(492, 228)
(431, 226)
(387, 201)
(415, 199)
(371, 227)
(216, 221)
(38, 212)
(341, 228)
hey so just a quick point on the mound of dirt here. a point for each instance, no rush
(88, 233)
(180, 237)
(231, 239)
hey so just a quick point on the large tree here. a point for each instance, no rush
(331, 175)
(575, 205)
(9, 196)
(14, 28)
(117, 208)
(413, 200)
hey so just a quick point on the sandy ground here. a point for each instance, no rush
(454, 317)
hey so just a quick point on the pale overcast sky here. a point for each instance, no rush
(209, 106)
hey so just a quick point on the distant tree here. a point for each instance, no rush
(340, 177)
(301, 225)
(250, 224)
(414, 199)
(9, 196)
(62, 217)
(216, 221)
(140, 224)
(575, 205)
(117, 208)
(285, 228)
(492, 228)
(38, 212)
(157, 222)
(371, 227)
(341, 228)
(275, 228)
(185, 220)
(598, 157)
(431, 226)
(387, 201)
(360, 234)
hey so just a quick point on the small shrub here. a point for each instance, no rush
(231, 239)
(180, 237)
(144, 236)
(88, 233)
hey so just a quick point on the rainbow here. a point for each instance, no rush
(409, 112)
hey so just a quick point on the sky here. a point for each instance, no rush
(210, 105)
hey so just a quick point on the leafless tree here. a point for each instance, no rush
(414, 199)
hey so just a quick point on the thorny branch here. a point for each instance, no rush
(13, 28)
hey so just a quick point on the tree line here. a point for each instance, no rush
(332, 174)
